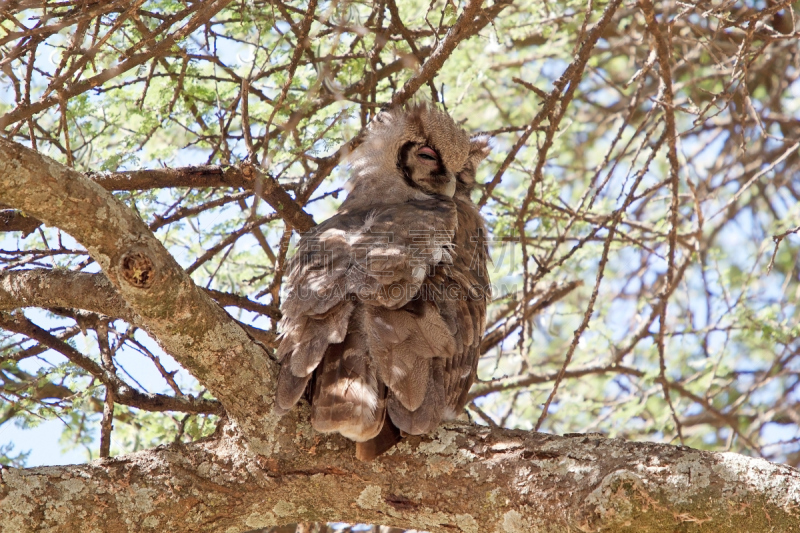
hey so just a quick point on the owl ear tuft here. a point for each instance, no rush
(478, 148)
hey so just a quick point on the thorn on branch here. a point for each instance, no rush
(531, 87)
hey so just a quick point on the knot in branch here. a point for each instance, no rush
(248, 171)
(137, 269)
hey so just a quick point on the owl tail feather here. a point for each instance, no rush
(382, 442)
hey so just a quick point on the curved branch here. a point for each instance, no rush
(192, 328)
(466, 479)
(245, 176)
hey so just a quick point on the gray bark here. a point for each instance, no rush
(462, 479)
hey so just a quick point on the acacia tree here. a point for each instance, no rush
(160, 157)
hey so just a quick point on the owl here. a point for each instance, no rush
(386, 300)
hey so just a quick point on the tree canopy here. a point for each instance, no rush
(641, 196)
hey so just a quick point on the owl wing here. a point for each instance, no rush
(470, 273)
(355, 262)
(427, 351)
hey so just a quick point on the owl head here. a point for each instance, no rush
(412, 153)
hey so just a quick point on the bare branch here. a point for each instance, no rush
(56, 288)
(665, 69)
(122, 392)
(465, 26)
(205, 10)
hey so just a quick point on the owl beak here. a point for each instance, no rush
(450, 188)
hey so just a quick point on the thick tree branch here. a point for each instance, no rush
(184, 320)
(465, 479)
(54, 289)
(50, 289)
(271, 191)
(194, 176)
(226, 299)
(245, 176)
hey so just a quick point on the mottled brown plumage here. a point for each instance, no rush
(387, 299)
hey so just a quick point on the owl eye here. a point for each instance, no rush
(427, 153)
